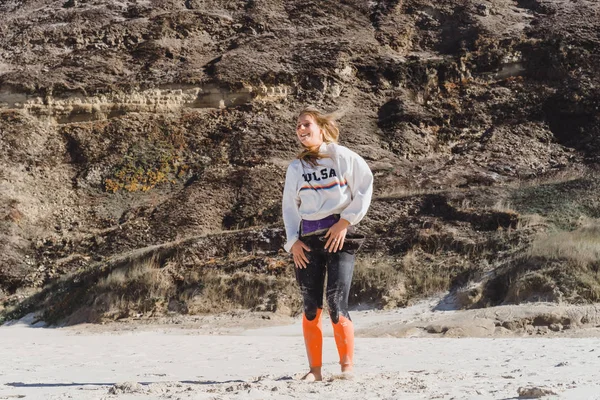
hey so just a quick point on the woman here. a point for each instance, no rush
(327, 190)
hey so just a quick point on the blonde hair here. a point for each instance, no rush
(328, 126)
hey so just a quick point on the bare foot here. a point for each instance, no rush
(347, 372)
(312, 376)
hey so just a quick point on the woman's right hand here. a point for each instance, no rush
(297, 250)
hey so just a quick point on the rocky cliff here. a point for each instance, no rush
(145, 145)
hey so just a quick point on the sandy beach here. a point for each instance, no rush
(166, 361)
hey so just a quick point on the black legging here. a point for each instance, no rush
(339, 267)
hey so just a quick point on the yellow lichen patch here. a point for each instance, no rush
(133, 179)
(155, 159)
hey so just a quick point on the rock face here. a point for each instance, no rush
(162, 130)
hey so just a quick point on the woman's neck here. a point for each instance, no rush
(316, 148)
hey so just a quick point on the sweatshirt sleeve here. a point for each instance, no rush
(290, 208)
(360, 182)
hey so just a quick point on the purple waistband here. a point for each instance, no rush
(313, 227)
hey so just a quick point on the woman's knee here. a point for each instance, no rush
(337, 308)
(312, 300)
(311, 311)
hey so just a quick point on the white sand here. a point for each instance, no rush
(161, 362)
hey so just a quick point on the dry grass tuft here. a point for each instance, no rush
(566, 175)
(425, 279)
(377, 282)
(532, 221)
(581, 246)
(504, 206)
(386, 282)
(217, 291)
(138, 288)
(151, 287)
(560, 265)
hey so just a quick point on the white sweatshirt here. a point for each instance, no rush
(340, 184)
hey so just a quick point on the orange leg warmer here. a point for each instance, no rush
(313, 338)
(344, 340)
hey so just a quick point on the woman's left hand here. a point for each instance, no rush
(336, 236)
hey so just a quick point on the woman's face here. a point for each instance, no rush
(308, 132)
